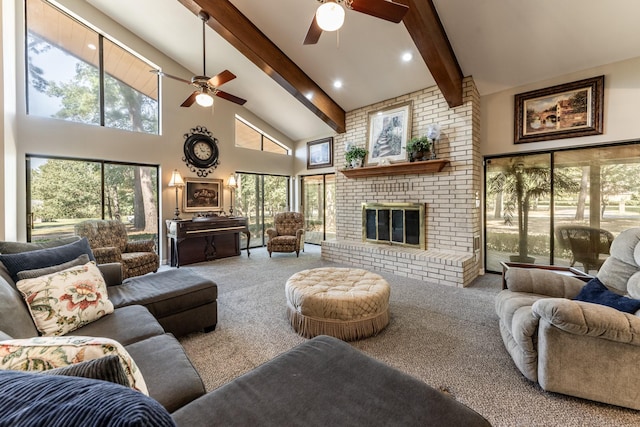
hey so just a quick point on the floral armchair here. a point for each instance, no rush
(109, 243)
(287, 234)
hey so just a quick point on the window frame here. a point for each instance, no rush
(101, 35)
(263, 135)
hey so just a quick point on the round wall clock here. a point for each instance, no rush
(200, 151)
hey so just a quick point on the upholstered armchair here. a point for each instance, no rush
(109, 243)
(286, 236)
(569, 346)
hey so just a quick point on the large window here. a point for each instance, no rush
(319, 207)
(259, 198)
(76, 74)
(562, 207)
(249, 136)
(64, 192)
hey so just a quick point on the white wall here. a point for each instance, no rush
(51, 137)
(621, 106)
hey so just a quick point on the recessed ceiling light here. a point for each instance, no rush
(309, 96)
(407, 56)
(92, 46)
(337, 84)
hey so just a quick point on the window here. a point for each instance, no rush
(318, 198)
(259, 198)
(64, 192)
(76, 74)
(249, 136)
(532, 199)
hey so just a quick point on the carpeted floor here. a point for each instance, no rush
(446, 336)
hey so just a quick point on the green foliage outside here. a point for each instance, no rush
(257, 194)
(124, 107)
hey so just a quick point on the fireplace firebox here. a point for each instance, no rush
(394, 224)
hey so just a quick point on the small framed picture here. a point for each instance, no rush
(389, 131)
(202, 195)
(564, 111)
(320, 153)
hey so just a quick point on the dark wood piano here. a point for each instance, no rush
(205, 239)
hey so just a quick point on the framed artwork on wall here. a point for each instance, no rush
(564, 111)
(320, 153)
(389, 131)
(202, 195)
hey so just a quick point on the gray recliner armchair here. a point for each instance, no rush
(572, 347)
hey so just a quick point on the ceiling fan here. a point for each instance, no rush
(207, 87)
(330, 14)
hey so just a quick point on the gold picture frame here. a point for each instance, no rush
(202, 195)
(564, 111)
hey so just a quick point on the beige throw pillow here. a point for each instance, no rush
(65, 301)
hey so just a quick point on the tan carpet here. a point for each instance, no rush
(446, 336)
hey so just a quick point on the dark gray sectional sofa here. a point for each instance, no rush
(322, 382)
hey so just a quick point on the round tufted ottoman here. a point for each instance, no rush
(346, 303)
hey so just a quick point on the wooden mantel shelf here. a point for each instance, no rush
(426, 166)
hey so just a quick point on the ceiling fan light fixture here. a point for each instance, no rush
(203, 99)
(330, 16)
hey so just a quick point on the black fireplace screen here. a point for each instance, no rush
(394, 223)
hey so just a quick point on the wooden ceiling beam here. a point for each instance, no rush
(234, 27)
(426, 30)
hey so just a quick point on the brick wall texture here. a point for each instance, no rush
(451, 196)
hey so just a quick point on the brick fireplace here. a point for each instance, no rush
(450, 253)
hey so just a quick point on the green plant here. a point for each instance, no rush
(419, 143)
(355, 153)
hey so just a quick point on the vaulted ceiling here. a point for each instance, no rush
(501, 43)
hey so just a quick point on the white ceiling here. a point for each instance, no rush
(501, 43)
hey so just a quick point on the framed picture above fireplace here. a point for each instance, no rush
(389, 131)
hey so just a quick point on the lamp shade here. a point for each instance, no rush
(176, 179)
(231, 181)
(330, 16)
(204, 99)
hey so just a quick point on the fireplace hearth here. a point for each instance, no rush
(394, 224)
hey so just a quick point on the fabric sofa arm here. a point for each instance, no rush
(112, 273)
(594, 320)
(271, 232)
(299, 233)
(140, 246)
(542, 282)
(107, 255)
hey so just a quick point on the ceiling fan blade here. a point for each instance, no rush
(382, 9)
(229, 97)
(314, 33)
(221, 78)
(162, 74)
(190, 100)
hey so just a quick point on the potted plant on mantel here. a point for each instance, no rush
(355, 156)
(419, 148)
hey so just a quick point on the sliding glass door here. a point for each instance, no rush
(560, 208)
(259, 198)
(318, 205)
(518, 192)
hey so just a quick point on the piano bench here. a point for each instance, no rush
(181, 300)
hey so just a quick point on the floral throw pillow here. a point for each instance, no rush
(44, 353)
(67, 300)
